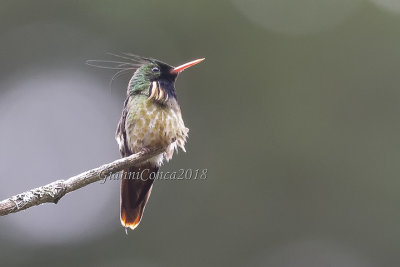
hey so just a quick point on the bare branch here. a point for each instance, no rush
(53, 192)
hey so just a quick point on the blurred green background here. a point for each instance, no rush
(294, 113)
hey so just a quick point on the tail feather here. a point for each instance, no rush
(136, 186)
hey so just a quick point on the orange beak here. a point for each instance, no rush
(186, 65)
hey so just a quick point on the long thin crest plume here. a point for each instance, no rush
(144, 60)
(131, 62)
(128, 62)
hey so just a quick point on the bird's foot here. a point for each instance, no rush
(145, 149)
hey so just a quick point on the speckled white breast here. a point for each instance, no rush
(151, 124)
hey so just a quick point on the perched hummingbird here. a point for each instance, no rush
(151, 118)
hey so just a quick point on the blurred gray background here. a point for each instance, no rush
(294, 113)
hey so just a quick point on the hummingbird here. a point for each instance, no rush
(151, 118)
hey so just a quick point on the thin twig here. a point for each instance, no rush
(53, 192)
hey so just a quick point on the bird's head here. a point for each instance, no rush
(151, 77)
(157, 78)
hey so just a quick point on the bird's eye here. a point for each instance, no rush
(155, 69)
